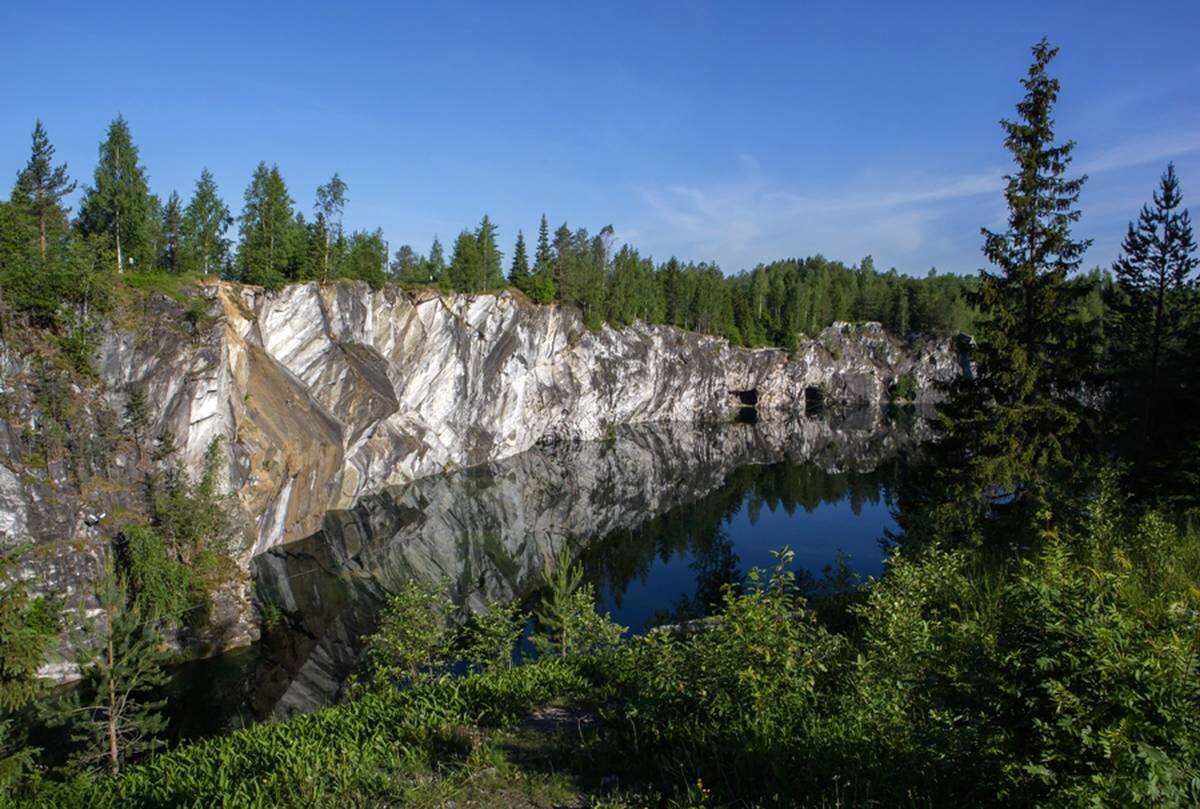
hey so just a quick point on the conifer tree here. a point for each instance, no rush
(172, 233)
(1152, 309)
(406, 264)
(112, 716)
(518, 274)
(203, 246)
(1012, 418)
(490, 257)
(563, 259)
(118, 204)
(1153, 284)
(268, 230)
(28, 626)
(435, 265)
(41, 187)
(466, 264)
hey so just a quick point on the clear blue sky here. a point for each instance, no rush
(735, 132)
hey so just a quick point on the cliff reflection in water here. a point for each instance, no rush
(649, 492)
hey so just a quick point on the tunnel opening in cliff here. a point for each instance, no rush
(746, 402)
(814, 399)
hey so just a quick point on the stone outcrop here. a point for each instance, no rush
(324, 394)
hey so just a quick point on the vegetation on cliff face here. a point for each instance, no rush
(1035, 638)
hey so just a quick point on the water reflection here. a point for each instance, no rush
(663, 516)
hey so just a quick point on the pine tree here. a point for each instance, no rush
(172, 232)
(268, 230)
(1012, 419)
(41, 187)
(119, 205)
(122, 663)
(541, 285)
(518, 274)
(203, 246)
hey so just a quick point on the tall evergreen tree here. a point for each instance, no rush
(1151, 304)
(435, 265)
(41, 187)
(406, 265)
(490, 256)
(1013, 418)
(518, 274)
(118, 205)
(563, 259)
(112, 716)
(203, 245)
(172, 233)
(268, 229)
(466, 264)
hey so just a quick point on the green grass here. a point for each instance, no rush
(170, 284)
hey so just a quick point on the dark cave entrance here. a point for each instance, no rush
(747, 406)
(814, 399)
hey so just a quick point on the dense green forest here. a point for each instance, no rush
(1035, 639)
(60, 271)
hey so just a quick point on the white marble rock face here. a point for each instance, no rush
(323, 394)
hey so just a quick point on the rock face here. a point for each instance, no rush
(495, 530)
(324, 394)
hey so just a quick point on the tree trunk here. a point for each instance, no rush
(113, 760)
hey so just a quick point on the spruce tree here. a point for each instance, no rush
(203, 246)
(1152, 306)
(41, 187)
(118, 205)
(172, 233)
(269, 230)
(1153, 285)
(435, 265)
(466, 264)
(490, 257)
(406, 265)
(518, 274)
(1013, 417)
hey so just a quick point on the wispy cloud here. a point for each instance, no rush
(907, 219)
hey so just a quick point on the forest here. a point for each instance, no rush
(58, 269)
(1035, 639)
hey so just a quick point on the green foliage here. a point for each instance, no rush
(1013, 422)
(569, 625)
(161, 585)
(118, 205)
(488, 639)
(204, 249)
(28, 627)
(1153, 328)
(112, 716)
(271, 236)
(414, 637)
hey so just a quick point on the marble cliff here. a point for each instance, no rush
(324, 394)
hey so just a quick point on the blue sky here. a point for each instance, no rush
(734, 132)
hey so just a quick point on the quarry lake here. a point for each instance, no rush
(661, 517)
